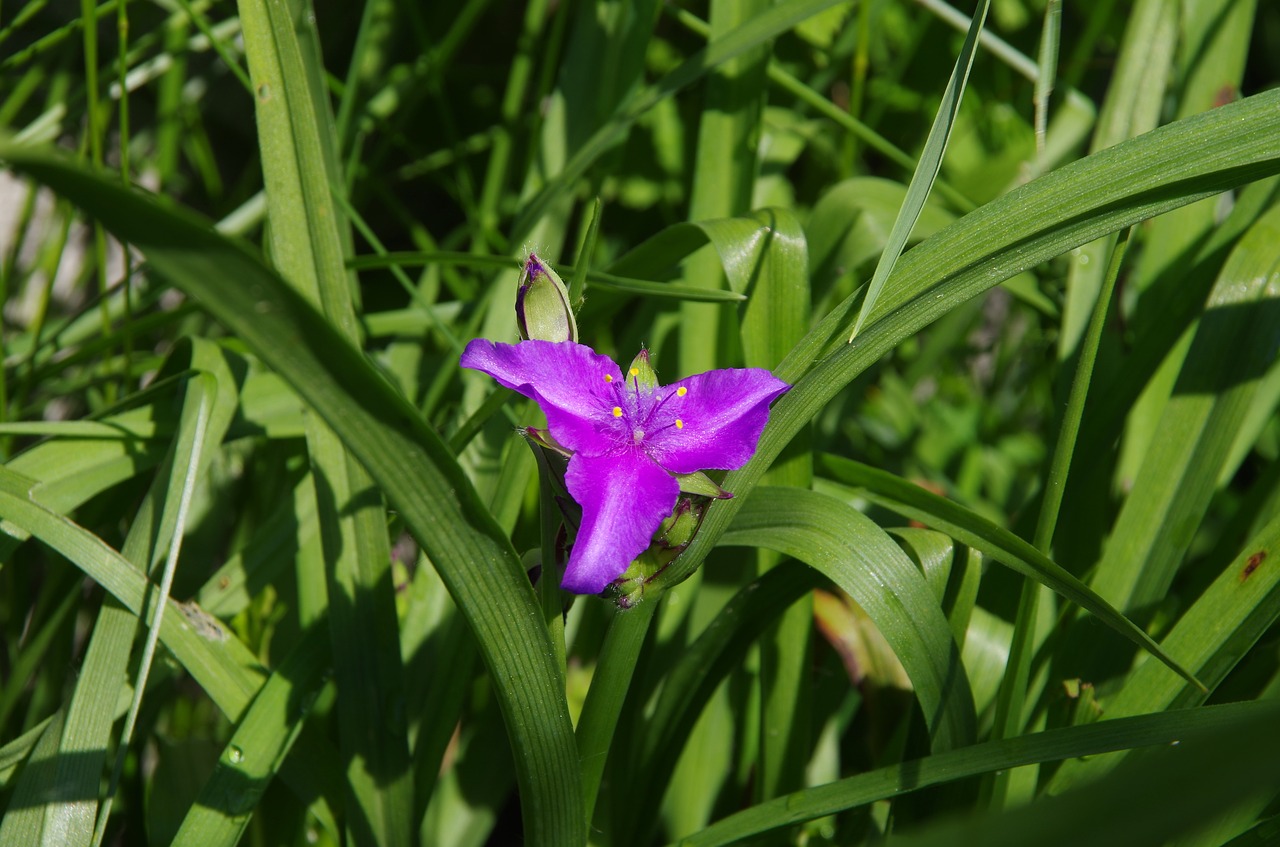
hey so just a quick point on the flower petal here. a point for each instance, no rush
(624, 498)
(712, 420)
(576, 387)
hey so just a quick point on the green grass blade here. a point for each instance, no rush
(1050, 34)
(1013, 689)
(221, 664)
(1163, 796)
(758, 30)
(406, 458)
(196, 414)
(86, 736)
(914, 502)
(1213, 635)
(37, 789)
(308, 242)
(13, 754)
(856, 554)
(1133, 181)
(599, 721)
(1131, 107)
(926, 170)
(724, 172)
(1052, 745)
(257, 748)
(1232, 349)
(697, 671)
(775, 317)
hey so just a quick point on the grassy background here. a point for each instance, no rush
(266, 549)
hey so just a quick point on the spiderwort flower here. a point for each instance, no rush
(628, 436)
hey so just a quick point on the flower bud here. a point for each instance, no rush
(543, 311)
(669, 541)
(641, 373)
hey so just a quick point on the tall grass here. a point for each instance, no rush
(1002, 570)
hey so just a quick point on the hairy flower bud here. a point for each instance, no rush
(668, 542)
(543, 311)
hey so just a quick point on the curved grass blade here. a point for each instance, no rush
(927, 169)
(167, 506)
(1049, 746)
(856, 554)
(1130, 182)
(405, 457)
(914, 502)
(1164, 795)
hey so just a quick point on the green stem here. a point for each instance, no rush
(608, 691)
(1013, 689)
(549, 581)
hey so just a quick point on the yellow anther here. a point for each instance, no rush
(635, 372)
(617, 411)
(679, 423)
(608, 378)
(681, 391)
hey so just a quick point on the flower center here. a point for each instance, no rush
(635, 413)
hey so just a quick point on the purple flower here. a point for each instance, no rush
(628, 436)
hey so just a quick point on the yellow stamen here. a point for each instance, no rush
(635, 372)
(617, 411)
(679, 424)
(681, 391)
(608, 378)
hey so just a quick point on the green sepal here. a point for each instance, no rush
(641, 373)
(702, 485)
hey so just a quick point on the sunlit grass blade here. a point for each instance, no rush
(758, 30)
(1232, 348)
(926, 170)
(23, 821)
(690, 682)
(599, 721)
(1163, 796)
(186, 467)
(222, 665)
(775, 317)
(309, 243)
(408, 461)
(1048, 64)
(1013, 689)
(1172, 166)
(256, 749)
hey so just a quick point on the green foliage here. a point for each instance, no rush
(273, 570)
